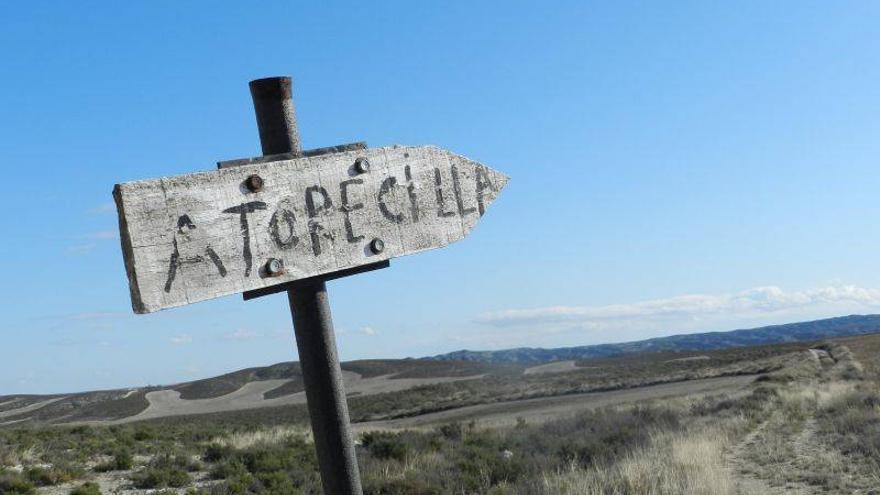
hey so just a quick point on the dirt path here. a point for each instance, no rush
(548, 408)
(743, 469)
(691, 358)
(165, 403)
(752, 477)
(784, 452)
(555, 367)
(30, 408)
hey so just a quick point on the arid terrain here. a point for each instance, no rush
(800, 418)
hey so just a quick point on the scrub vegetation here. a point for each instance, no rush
(808, 423)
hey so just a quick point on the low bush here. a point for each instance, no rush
(153, 477)
(216, 452)
(228, 469)
(287, 467)
(451, 431)
(750, 406)
(385, 445)
(166, 470)
(87, 488)
(122, 461)
(852, 423)
(54, 475)
(480, 468)
(15, 484)
(456, 459)
(404, 486)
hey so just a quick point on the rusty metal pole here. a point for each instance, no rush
(310, 307)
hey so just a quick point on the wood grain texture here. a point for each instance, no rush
(203, 235)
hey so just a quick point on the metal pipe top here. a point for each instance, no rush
(276, 114)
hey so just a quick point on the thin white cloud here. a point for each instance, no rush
(369, 331)
(242, 334)
(760, 301)
(192, 370)
(95, 315)
(103, 208)
(80, 249)
(28, 378)
(89, 242)
(104, 235)
(182, 339)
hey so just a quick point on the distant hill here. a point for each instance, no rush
(279, 387)
(843, 326)
(265, 386)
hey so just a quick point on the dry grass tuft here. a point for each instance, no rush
(12, 457)
(674, 464)
(266, 436)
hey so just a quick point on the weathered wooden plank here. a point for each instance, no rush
(203, 235)
(360, 145)
(274, 289)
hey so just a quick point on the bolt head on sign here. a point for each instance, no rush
(274, 267)
(377, 246)
(362, 165)
(208, 234)
(254, 183)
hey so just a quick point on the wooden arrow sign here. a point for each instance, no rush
(203, 235)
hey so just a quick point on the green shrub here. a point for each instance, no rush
(160, 477)
(122, 461)
(238, 485)
(481, 468)
(179, 461)
(271, 469)
(451, 431)
(52, 476)
(165, 470)
(750, 406)
(401, 487)
(384, 445)
(275, 483)
(40, 476)
(228, 469)
(144, 433)
(14, 484)
(216, 452)
(853, 425)
(87, 488)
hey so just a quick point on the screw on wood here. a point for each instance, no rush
(274, 267)
(254, 183)
(362, 165)
(377, 246)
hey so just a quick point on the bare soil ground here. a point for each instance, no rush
(28, 408)
(555, 367)
(166, 403)
(787, 453)
(748, 474)
(548, 408)
(691, 358)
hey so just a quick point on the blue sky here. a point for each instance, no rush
(676, 167)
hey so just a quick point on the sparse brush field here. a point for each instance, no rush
(809, 423)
